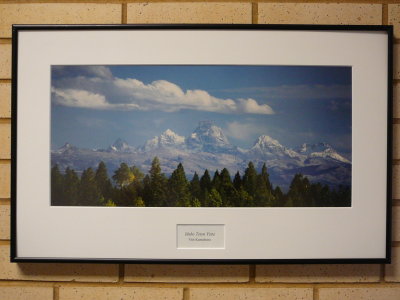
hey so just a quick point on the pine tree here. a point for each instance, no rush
(103, 182)
(216, 182)
(205, 181)
(195, 202)
(138, 181)
(138, 202)
(279, 197)
(264, 196)
(137, 173)
(205, 185)
(342, 196)
(250, 180)
(71, 187)
(226, 189)
(158, 185)
(265, 177)
(147, 192)
(195, 188)
(123, 176)
(110, 203)
(57, 187)
(299, 191)
(214, 198)
(243, 199)
(237, 181)
(179, 194)
(89, 195)
(126, 192)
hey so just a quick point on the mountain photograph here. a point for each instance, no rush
(201, 136)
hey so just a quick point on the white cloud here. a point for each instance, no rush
(242, 131)
(78, 98)
(85, 99)
(251, 106)
(99, 71)
(107, 92)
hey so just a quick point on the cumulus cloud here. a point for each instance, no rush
(252, 107)
(85, 99)
(96, 88)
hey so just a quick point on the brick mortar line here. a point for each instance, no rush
(312, 285)
(9, 80)
(63, 1)
(254, 13)
(186, 293)
(382, 273)
(385, 284)
(124, 11)
(121, 273)
(385, 14)
(18, 283)
(197, 1)
(252, 274)
(116, 1)
(315, 293)
(183, 285)
(328, 1)
(56, 292)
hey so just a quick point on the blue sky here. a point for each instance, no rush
(94, 105)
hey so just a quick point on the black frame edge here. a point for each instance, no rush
(14, 104)
(31, 27)
(205, 261)
(388, 29)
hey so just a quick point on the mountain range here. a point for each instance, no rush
(208, 148)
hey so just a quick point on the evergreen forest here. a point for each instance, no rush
(129, 187)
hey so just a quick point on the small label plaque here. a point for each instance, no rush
(200, 236)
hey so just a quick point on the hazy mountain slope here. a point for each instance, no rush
(208, 148)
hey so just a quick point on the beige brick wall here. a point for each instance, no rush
(189, 12)
(57, 13)
(186, 273)
(184, 282)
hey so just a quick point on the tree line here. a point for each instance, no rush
(130, 187)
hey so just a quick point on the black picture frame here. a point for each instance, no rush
(19, 139)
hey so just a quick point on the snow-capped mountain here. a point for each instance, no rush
(120, 146)
(208, 148)
(269, 148)
(66, 148)
(208, 138)
(321, 150)
(168, 139)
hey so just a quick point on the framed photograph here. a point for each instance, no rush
(201, 143)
